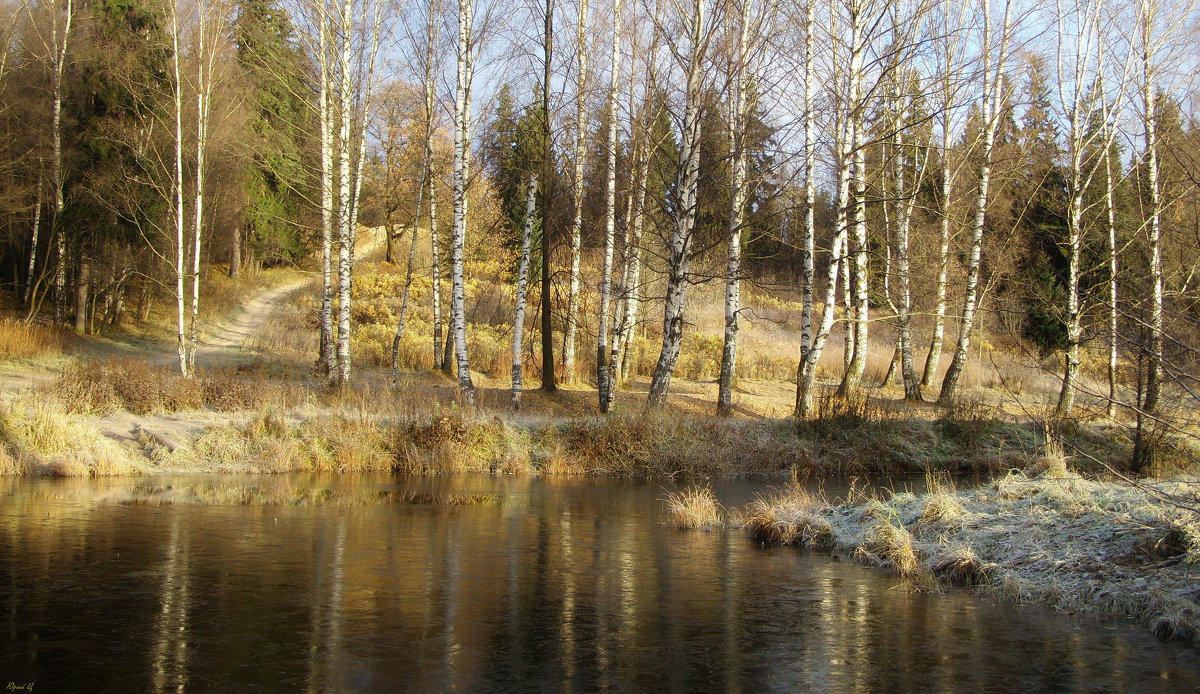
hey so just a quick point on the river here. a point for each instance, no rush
(379, 583)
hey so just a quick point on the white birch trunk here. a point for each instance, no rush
(327, 359)
(737, 202)
(906, 201)
(1078, 113)
(806, 373)
(950, 48)
(581, 146)
(56, 171)
(344, 183)
(633, 266)
(1154, 220)
(431, 180)
(603, 383)
(679, 247)
(859, 310)
(177, 191)
(33, 242)
(206, 56)
(939, 312)
(989, 109)
(462, 144)
(522, 290)
(808, 242)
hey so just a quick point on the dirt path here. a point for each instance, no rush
(233, 338)
(225, 345)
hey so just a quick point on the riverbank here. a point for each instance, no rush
(127, 418)
(1056, 539)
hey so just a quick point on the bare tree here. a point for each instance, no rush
(603, 383)
(518, 368)
(990, 112)
(691, 58)
(741, 103)
(581, 146)
(462, 154)
(949, 27)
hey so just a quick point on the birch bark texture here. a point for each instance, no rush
(581, 147)
(990, 110)
(462, 145)
(684, 222)
(518, 368)
(604, 383)
(740, 104)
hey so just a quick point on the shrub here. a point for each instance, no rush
(21, 341)
(694, 507)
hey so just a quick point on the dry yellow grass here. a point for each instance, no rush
(45, 439)
(790, 516)
(21, 341)
(694, 506)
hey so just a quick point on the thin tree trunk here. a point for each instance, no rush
(939, 312)
(56, 173)
(546, 193)
(438, 345)
(679, 248)
(581, 146)
(408, 277)
(235, 251)
(205, 58)
(635, 225)
(906, 202)
(345, 183)
(327, 359)
(522, 286)
(737, 203)
(177, 190)
(992, 89)
(806, 373)
(861, 307)
(1143, 454)
(462, 144)
(1110, 209)
(949, 76)
(82, 285)
(33, 242)
(603, 382)
(808, 243)
(430, 179)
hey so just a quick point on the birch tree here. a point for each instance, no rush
(546, 198)
(604, 384)
(177, 193)
(212, 23)
(905, 193)
(60, 33)
(346, 52)
(741, 102)
(948, 67)
(990, 100)
(691, 57)
(518, 368)
(462, 145)
(61, 16)
(581, 145)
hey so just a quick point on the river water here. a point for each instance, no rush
(389, 584)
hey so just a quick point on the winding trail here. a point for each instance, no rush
(230, 338)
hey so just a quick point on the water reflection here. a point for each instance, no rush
(564, 585)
